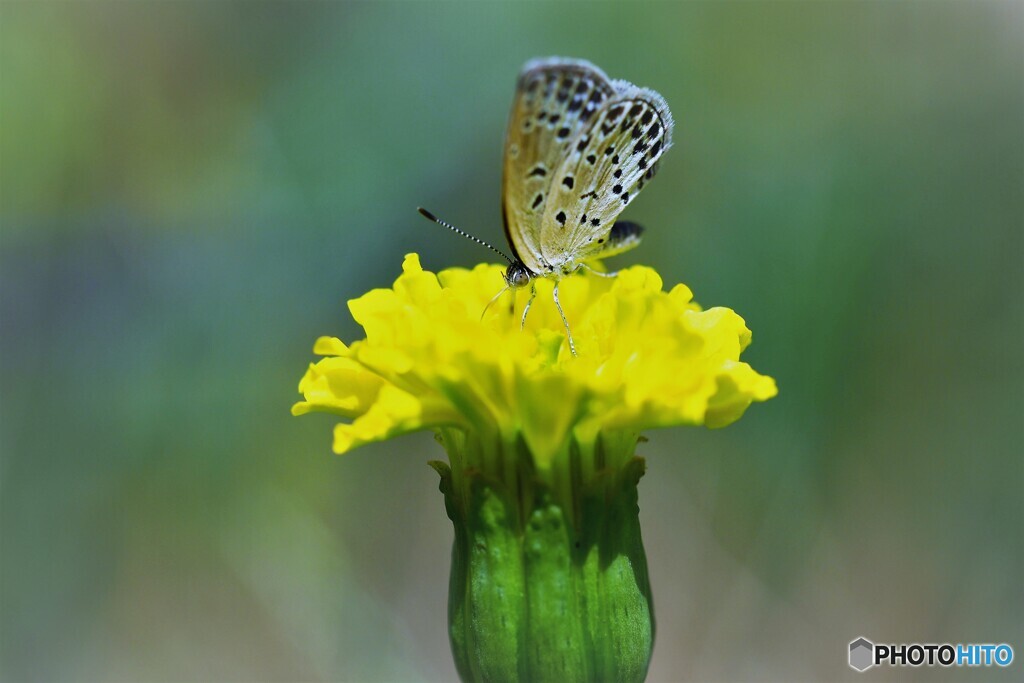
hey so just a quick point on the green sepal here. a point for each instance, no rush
(547, 583)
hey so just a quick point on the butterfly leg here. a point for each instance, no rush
(533, 293)
(568, 332)
(595, 271)
(495, 298)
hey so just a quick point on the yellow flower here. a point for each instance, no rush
(549, 577)
(647, 358)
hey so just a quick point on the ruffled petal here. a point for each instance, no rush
(447, 349)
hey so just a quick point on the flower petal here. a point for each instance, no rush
(445, 350)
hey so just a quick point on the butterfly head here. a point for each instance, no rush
(518, 275)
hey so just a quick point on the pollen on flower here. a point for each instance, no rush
(647, 358)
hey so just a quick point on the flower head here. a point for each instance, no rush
(647, 358)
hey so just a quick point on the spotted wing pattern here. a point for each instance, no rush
(603, 171)
(623, 236)
(556, 101)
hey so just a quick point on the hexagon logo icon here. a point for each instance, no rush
(862, 653)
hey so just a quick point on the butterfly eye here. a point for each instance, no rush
(517, 275)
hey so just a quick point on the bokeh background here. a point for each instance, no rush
(191, 192)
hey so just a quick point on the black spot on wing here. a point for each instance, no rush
(595, 99)
(624, 231)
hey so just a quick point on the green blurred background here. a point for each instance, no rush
(191, 191)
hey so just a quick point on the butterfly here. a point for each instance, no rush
(578, 149)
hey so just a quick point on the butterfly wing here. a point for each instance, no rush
(608, 165)
(556, 100)
(623, 236)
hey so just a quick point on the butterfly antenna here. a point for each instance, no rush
(426, 214)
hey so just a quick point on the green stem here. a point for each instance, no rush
(549, 577)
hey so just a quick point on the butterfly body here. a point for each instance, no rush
(578, 149)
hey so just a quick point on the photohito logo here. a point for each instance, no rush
(864, 654)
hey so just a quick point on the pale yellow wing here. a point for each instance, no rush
(556, 100)
(605, 170)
